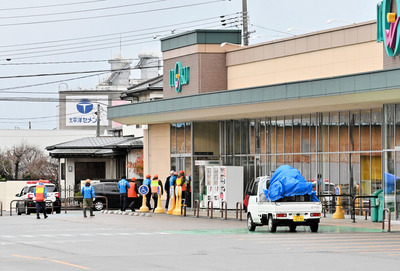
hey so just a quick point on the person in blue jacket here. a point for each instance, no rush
(147, 182)
(123, 186)
(89, 196)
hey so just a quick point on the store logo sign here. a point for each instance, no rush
(387, 26)
(178, 76)
(84, 106)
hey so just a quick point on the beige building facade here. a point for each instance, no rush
(326, 103)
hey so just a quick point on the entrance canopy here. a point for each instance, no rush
(356, 91)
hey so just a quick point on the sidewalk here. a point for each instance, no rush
(360, 221)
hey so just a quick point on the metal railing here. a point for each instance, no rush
(210, 205)
(224, 204)
(196, 208)
(354, 206)
(239, 209)
(384, 218)
(69, 199)
(29, 200)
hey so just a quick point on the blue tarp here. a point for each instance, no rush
(287, 181)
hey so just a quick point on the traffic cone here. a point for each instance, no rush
(159, 209)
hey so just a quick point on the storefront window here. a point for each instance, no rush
(173, 138)
(180, 138)
(344, 131)
(280, 135)
(188, 137)
(288, 147)
(334, 132)
(365, 130)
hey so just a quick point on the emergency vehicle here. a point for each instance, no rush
(27, 192)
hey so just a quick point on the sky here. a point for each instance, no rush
(48, 46)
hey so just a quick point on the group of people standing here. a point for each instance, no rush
(129, 190)
(175, 180)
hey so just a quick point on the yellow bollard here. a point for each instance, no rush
(159, 209)
(339, 212)
(171, 201)
(178, 209)
(142, 191)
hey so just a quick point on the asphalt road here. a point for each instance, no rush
(163, 242)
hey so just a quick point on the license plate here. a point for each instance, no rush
(298, 218)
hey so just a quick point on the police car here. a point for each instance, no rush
(28, 207)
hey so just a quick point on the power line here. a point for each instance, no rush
(104, 35)
(50, 6)
(113, 15)
(81, 11)
(4, 90)
(59, 73)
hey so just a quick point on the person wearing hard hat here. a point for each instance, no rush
(123, 186)
(89, 196)
(40, 193)
(167, 186)
(154, 189)
(181, 181)
(147, 182)
(132, 193)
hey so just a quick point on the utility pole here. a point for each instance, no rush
(245, 24)
(98, 121)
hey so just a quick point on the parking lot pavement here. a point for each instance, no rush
(165, 242)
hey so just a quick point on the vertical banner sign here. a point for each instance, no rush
(178, 76)
(387, 26)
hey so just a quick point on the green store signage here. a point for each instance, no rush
(178, 76)
(387, 25)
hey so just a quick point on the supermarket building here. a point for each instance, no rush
(326, 102)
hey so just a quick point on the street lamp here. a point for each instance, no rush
(340, 21)
(298, 29)
(226, 43)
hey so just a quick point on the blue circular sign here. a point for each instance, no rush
(84, 106)
(143, 189)
(337, 190)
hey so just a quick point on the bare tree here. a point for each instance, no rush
(30, 162)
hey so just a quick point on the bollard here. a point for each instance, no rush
(210, 203)
(171, 200)
(1, 208)
(223, 203)
(178, 203)
(237, 209)
(383, 219)
(159, 209)
(183, 207)
(196, 207)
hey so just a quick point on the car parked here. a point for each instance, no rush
(111, 191)
(27, 192)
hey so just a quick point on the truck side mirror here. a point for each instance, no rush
(17, 195)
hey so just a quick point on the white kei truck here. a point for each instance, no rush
(289, 211)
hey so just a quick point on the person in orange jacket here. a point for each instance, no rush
(133, 194)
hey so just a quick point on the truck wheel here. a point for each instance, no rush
(314, 227)
(271, 224)
(292, 228)
(250, 224)
(98, 205)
